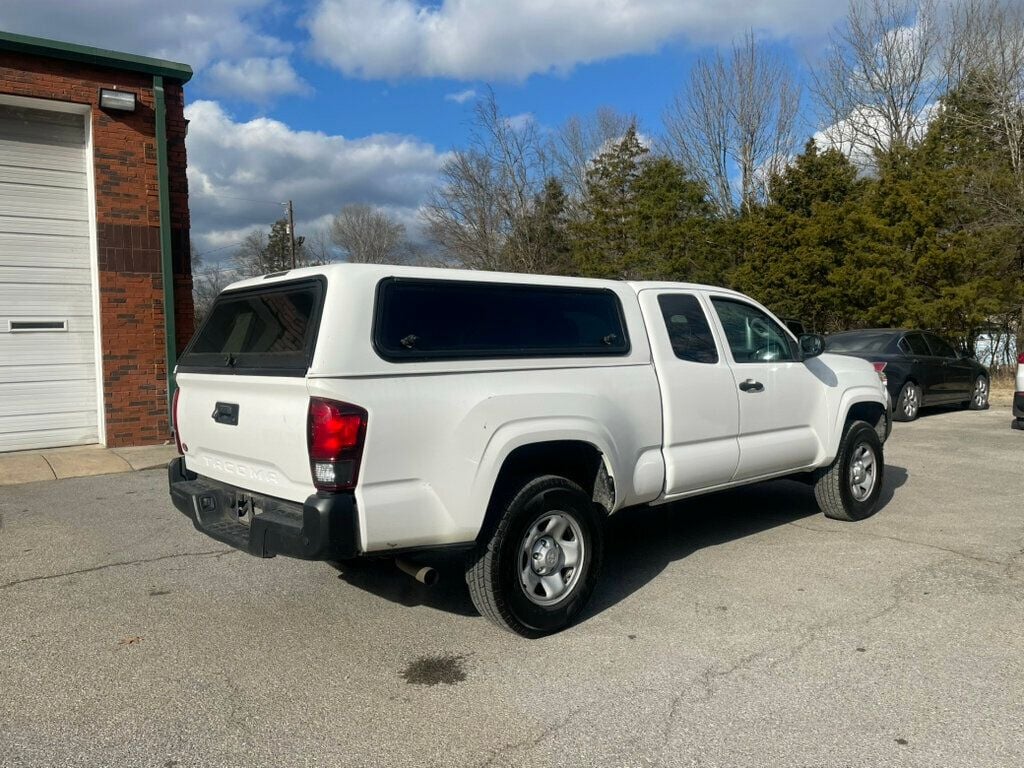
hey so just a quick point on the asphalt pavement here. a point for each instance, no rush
(740, 629)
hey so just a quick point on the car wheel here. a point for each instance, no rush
(908, 404)
(979, 395)
(536, 570)
(848, 489)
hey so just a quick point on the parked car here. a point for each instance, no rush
(920, 368)
(1018, 394)
(351, 410)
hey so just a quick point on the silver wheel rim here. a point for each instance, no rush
(980, 392)
(910, 403)
(551, 558)
(863, 471)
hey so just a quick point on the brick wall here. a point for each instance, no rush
(127, 233)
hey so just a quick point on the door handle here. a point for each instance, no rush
(751, 386)
(226, 413)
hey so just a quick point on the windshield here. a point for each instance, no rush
(268, 330)
(858, 342)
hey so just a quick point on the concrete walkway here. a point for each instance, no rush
(58, 463)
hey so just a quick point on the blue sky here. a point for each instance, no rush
(329, 102)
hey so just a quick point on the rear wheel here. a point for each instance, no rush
(908, 404)
(536, 571)
(979, 395)
(848, 489)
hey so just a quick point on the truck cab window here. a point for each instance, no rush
(688, 328)
(753, 336)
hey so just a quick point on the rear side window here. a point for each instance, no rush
(940, 348)
(688, 328)
(915, 341)
(440, 319)
(264, 331)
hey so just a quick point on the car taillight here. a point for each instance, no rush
(336, 434)
(174, 421)
(1020, 359)
(880, 370)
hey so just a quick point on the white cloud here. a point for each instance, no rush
(239, 172)
(461, 97)
(195, 32)
(520, 122)
(258, 80)
(491, 39)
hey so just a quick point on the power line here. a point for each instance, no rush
(246, 199)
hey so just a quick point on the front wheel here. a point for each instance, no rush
(979, 395)
(848, 489)
(536, 570)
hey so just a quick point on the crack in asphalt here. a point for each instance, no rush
(532, 741)
(912, 542)
(105, 566)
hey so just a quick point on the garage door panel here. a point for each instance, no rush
(44, 275)
(48, 378)
(23, 225)
(44, 250)
(33, 398)
(18, 349)
(47, 430)
(21, 299)
(26, 374)
(40, 177)
(44, 202)
(28, 156)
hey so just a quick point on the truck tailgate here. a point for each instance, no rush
(248, 431)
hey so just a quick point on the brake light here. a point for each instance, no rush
(880, 370)
(1020, 359)
(336, 434)
(174, 421)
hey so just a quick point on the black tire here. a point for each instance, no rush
(834, 484)
(493, 572)
(908, 404)
(979, 400)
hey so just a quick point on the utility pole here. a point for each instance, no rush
(291, 230)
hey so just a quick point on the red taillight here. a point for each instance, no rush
(336, 434)
(174, 420)
(1020, 359)
(880, 370)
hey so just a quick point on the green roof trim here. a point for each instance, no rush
(99, 57)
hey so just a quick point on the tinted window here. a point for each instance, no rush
(939, 347)
(688, 328)
(915, 341)
(435, 319)
(753, 336)
(847, 343)
(272, 328)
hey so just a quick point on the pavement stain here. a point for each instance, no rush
(159, 592)
(901, 741)
(433, 670)
(130, 640)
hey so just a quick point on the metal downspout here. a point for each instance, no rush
(164, 192)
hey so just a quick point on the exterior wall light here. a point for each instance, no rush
(122, 101)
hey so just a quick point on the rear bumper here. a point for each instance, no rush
(321, 528)
(1018, 405)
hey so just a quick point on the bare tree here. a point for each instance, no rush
(579, 140)
(486, 190)
(368, 235)
(735, 118)
(882, 74)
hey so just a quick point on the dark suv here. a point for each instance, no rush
(920, 368)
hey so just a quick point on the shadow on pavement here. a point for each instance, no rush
(640, 543)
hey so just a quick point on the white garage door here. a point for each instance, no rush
(47, 342)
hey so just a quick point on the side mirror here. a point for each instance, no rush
(811, 345)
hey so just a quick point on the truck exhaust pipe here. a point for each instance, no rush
(424, 574)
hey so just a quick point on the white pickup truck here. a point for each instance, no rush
(360, 410)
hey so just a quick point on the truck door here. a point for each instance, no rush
(780, 398)
(700, 405)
